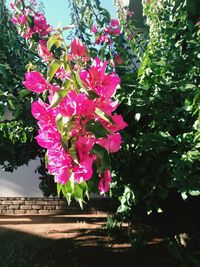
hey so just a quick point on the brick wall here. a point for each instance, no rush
(50, 206)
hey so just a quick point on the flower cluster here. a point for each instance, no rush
(78, 125)
(104, 35)
(30, 21)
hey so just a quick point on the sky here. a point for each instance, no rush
(58, 11)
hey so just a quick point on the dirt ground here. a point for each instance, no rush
(70, 240)
(83, 229)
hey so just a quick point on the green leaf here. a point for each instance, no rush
(57, 97)
(194, 192)
(79, 81)
(96, 128)
(53, 67)
(59, 188)
(24, 93)
(78, 195)
(72, 149)
(103, 161)
(92, 94)
(54, 39)
(103, 115)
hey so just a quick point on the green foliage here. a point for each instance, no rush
(17, 126)
(162, 146)
(158, 165)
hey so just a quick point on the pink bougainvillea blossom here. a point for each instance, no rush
(44, 53)
(77, 124)
(60, 164)
(62, 74)
(21, 19)
(96, 79)
(76, 104)
(130, 13)
(102, 39)
(78, 48)
(104, 183)
(112, 143)
(40, 25)
(83, 171)
(94, 29)
(114, 22)
(116, 31)
(84, 145)
(118, 59)
(35, 82)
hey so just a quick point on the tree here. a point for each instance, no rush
(17, 126)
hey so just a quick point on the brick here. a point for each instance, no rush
(41, 202)
(44, 212)
(31, 212)
(17, 202)
(13, 207)
(19, 212)
(53, 202)
(3, 207)
(6, 202)
(25, 207)
(61, 208)
(7, 212)
(30, 202)
(37, 207)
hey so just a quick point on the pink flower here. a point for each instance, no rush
(104, 183)
(35, 82)
(40, 25)
(130, 13)
(12, 6)
(76, 104)
(22, 19)
(119, 124)
(116, 31)
(60, 164)
(62, 74)
(112, 143)
(107, 30)
(118, 59)
(62, 176)
(83, 171)
(78, 48)
(43, 42)
(48, 137)
(84, 145)
(102, 39)
(28, 34)
(97, 80)
(114, 22)
(107, 105)
(94, 29)
(14, 20)
(44, 53)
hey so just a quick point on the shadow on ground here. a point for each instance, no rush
(68, 242)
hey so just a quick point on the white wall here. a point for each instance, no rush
(23, 182)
